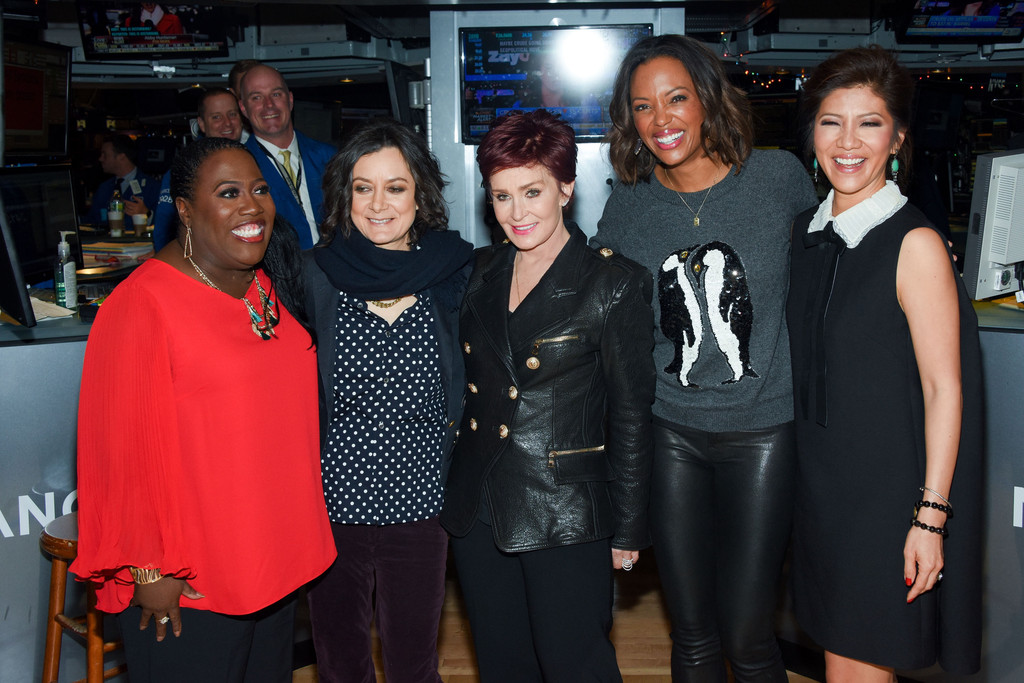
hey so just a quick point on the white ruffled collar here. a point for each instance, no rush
(853, 224)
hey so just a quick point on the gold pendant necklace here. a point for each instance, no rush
(696, 214)
(262, 325)
(386, 304)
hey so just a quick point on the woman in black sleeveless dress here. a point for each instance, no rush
(888, 399)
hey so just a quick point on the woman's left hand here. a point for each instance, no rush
(922, 558)
(624, 559)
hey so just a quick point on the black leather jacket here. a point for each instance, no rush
(556, 429)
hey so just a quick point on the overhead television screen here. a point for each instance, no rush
(959, 21)
(568, 70)
(149, 30)
(36, 82)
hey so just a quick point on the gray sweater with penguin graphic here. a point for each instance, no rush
(721, 345)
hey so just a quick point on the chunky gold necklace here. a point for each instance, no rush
(386, 303)
(262, 325)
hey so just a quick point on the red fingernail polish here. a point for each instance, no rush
(910, 582)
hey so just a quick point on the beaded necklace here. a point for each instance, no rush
(262, 325)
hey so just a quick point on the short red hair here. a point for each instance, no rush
(528, 139)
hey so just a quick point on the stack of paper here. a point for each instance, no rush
(118, 254)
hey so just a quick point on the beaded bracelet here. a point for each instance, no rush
(144, 576)
(935, 506)
(941, 531)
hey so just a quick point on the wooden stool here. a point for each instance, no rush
(60, 540)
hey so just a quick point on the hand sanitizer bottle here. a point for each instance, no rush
(65, 279)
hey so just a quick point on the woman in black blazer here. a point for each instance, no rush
(549, 482)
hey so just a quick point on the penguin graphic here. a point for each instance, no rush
(720, 274)
(680, 315)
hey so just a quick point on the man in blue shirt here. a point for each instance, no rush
(139, 191)
(218, 117)
(292, 163)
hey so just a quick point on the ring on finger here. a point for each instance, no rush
(164, 620)
(627, 564)
(939, 577)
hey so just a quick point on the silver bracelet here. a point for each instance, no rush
(944, 499)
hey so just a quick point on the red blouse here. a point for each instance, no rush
(198, 447)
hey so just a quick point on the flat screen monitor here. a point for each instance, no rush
(568, 70)
(14, 299)
(951, 21)
(37, 79)
(995, 230)
(38, 203)
(115, 29)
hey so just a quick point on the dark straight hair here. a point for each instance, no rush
(872, 67)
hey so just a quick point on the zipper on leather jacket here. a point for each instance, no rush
(554, 454)
(553, 340)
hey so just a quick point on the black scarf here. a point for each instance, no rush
(357, 266)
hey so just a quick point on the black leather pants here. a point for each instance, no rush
(721, 512)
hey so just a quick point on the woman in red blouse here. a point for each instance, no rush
(200, 504)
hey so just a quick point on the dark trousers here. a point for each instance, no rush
(542, 615)
(721, 513)
(404, 564)
(255, 648)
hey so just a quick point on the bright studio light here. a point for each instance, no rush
(585, 56)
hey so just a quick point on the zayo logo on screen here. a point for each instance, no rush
(28, 507)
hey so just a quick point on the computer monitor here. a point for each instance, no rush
(956, 21)
(14, 299)
(568, 70)
(38, 203)
(995, 233)
(122, 29)
(37, 78)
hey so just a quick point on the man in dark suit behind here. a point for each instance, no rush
(292, 163)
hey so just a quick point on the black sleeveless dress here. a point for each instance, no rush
(860, 444)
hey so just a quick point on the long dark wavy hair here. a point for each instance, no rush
(872, 67)
(282, 261)
(728, 128)
(373, 136)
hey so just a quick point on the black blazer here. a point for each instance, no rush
(322, 307)
(556, 431)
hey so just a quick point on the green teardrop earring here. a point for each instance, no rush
(814, 164)
(895, 167)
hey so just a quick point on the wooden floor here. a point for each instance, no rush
(640, 634)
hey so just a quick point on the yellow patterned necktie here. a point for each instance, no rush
(287, 155)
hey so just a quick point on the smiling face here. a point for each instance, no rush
(528, 203)
(220, 117)
(384, 198)
(666, 112)
(267, 103)
(231, 213)
(854, 136)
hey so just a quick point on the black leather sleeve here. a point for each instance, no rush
(628, 365)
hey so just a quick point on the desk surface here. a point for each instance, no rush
(45, 331)
(991, 316)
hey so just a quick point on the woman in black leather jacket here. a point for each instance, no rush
(549, 483)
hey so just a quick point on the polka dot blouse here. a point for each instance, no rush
(382, 461)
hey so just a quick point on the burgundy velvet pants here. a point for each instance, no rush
(393, 572)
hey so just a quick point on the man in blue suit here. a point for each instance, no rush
(292, 164)
(139, 191)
